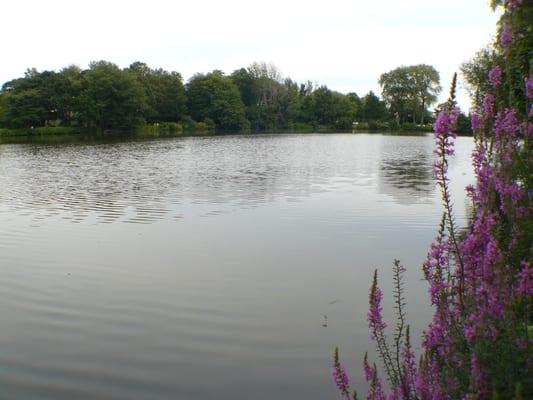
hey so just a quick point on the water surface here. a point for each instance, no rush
(203, 268)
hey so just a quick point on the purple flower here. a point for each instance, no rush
(488, 104)
(340, 376)
(341, 379)
(469, 332)
(525, 280)
(476, 288)
(476, 121)
(506, 36)
(495, 76)
(446, 121)
(478, 375)
(529, 87)
(371, 375)
(525, 128)
(507, 122)
(374, 317)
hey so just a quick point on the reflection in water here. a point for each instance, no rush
(144, 181)
(200, 268)
(405, 169)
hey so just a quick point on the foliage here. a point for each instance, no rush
(42, 131)
(475, 72)
(258, 98)
(372, 108)
(163, 91)
(410, 90)
(2, 109)
(478, 344)
(24, 101)
(215, 96)
(111, 98)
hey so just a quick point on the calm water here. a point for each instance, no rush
(202, 268)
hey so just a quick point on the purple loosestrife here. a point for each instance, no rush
(506, 122)
(488, 105)
(377, 326)
(495, 76)
(340, 376)
(446, 121)
(374, 317)
(371, 375)
(476, 121)
(479, 386)
(529, 87)
(506, 36)
(525, 279)
(479, 343)
(410, 370)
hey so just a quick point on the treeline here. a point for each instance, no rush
(105, 97)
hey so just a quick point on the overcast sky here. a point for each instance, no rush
(345, 45)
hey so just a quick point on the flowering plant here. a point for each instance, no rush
(479, 343)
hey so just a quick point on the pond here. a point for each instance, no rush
(207, 267)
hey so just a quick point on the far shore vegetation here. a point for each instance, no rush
(107, 100)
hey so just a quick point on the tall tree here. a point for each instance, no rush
(216, 97)
(111, 98)
(268, 91)
(24, 105)
(408, 91)
(372, 108)
(426, 88)
(164, 92)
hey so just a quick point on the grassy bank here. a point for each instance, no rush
(41, 131)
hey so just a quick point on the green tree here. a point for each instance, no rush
(333, 109)
(372, 108)
(345, 111)
(475, 73)
(41, 98)
(2, 109)
(245, 82)
(291, 101)
(324, 106)
(215, 96)
(357, 103)
(67, 94)
(408, 91)
(23, 101)
(164, 93)
(111, 98)
(268, 93)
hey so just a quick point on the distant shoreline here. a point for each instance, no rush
(65, 135)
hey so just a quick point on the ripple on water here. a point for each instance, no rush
(200, 268)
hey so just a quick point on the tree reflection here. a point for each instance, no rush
(406, 175)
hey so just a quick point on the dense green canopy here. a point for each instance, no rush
(408, 91)
(255, 98)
